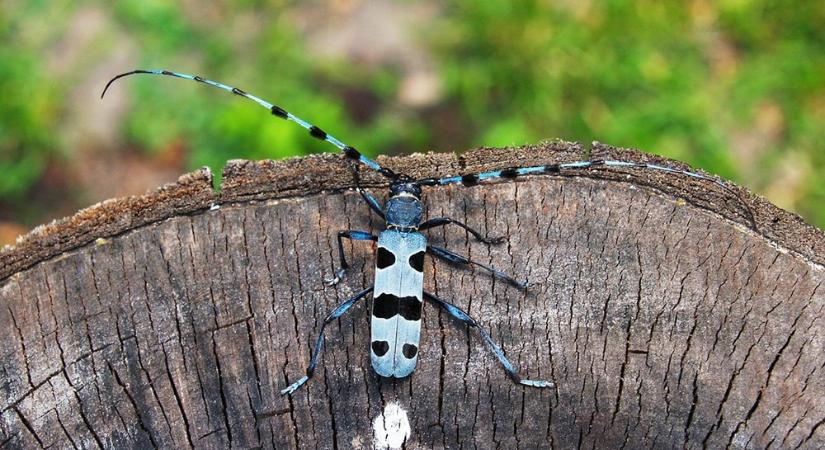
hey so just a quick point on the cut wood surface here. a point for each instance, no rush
(670, 312)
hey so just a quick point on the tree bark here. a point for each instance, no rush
(670, 312)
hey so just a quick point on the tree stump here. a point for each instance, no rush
(671, 312)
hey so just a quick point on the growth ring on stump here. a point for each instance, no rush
(670, 312)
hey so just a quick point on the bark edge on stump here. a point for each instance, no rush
(670, 311)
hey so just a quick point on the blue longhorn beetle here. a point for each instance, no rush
(398, 289)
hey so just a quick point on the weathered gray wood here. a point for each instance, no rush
(665, 319)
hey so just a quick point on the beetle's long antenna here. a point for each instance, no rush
(276, 110)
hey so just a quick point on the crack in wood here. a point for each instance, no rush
(662, 324)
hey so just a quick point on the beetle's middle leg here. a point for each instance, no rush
(348, 234)
(441, 221)
(455, 258)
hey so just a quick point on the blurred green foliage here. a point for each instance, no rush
(216, 126)
(736, 87)
(28, 106)
(684, 79)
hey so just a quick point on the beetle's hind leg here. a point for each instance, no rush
(319, 343)
(462, 316)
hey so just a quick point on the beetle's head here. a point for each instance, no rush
(405, 188)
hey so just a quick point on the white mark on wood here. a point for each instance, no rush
(391, 428)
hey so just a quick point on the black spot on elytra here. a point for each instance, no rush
(410, 308)
(386, 306)
(409, 351)
(380, 348)
(278, 111)
(417, 261)
(470, 179)
(385, 258)
(317, 132)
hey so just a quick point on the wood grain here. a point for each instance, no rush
(668, 314)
